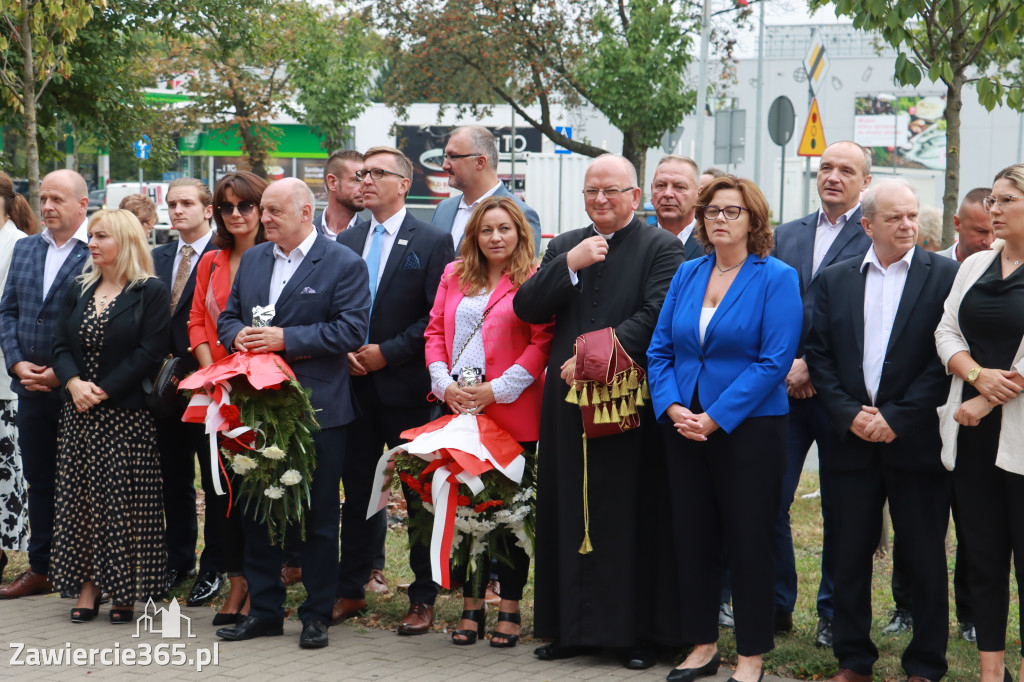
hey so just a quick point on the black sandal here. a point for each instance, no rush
(121, 615)
(478, 616)
(510, 640)
(81, 614)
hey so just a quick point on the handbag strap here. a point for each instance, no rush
(475, 330)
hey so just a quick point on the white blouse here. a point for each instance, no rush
(9, 234)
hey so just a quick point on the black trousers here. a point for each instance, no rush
(725, 494)
(318, 554)
(37, 419)
(362, 539)
(919, 506)
(902, 565)
(991, 503)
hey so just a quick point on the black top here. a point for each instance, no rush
(992, 319)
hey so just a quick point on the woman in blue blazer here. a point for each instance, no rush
(717, 365)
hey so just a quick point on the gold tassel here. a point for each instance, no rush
(639, 397)
(572, 398)
(614, 415)
(624, 408)
(647, 391)
(605, 418)
(632, 404)
(631, 383)
(606, 395)
(616, 394)
(584, 401)
(586, 547)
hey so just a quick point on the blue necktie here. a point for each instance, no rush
(373, 259)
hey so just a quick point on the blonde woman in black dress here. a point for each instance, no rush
(111, 334)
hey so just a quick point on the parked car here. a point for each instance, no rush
(96, 199)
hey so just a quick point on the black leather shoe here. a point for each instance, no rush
(252, 627)
(641, 657)
(689, 674)
(177, 576)
(725, 617)
(823, 638)
(314, 634)
(556, 651)
(205, 588)
(901, 621)
(968, 632)
(783, 622)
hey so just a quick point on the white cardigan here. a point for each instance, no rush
(949, 341)
(9, 234)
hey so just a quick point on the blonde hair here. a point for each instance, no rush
(472, 269)
(134, 263)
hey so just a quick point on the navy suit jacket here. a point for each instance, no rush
(27, 320)
(444, 214)
(694, 249)
(740, 369)
(323, 309)
(401, 307)
(794, 246)
(163, 262)
(914, 382)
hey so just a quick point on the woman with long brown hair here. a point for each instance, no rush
(16, 221)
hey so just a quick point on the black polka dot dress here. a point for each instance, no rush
(109, 514)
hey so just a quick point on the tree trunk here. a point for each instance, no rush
(637, 155)
(254, 149)
(951, 193)
(29, 95)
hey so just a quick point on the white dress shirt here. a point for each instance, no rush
(883, 290)
(323, 229)
(391, 226)
(826, 234)
(285, 265)
(463, 214)
(573, 277)
(56, 255)
(198, 246)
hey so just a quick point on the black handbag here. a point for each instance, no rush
(161, 390)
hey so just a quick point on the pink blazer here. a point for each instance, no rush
(507, 341)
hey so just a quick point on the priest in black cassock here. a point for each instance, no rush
(613, 273)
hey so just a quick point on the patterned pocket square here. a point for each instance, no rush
(412, 262)
(309, 290)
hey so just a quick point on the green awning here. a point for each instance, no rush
(293, 141)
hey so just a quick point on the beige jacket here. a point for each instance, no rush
(949, 341)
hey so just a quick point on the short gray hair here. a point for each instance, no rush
(868, 154)
(483, 142)
(929, 224)
(303, 194)
(869, 203)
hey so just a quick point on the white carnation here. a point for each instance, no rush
(274, 492)
(241, 464)
(291, 477)
(273, 452)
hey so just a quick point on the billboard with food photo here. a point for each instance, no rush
(903, 131)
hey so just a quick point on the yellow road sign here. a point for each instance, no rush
(816, 63)
(813, 141)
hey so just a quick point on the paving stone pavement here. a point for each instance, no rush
(355, 652)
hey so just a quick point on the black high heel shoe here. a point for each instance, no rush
(80, 614)
(225, 618)
(510, 640)
(690, 674)
(120, 615)
(478, 616)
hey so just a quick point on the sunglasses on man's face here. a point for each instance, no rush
(244, 208)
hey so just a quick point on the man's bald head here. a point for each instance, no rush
(77, 184)
(63, 202)
(286, 210)
(614, 161)
(610, 193)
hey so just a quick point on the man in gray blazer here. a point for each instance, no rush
(471, 161)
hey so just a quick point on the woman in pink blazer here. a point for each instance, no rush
(472, 326)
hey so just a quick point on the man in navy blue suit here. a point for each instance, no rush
(829, 235)
(674, 191)
(321, 297)
(471, 161)
(43, 266)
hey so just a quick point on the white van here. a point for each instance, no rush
(157, 191)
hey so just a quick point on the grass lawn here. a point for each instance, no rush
(794, 654)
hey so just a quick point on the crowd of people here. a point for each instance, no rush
(846, 328)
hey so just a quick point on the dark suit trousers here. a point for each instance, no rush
(919, 506)
(991, 504)
(808, 423)
(37, 419)
(178, 443)
(318, 554)
(725, 493)
(362, 539)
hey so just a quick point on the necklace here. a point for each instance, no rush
(102, 303)
(725, 270)
(1015, 262)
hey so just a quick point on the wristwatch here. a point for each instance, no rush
(973, 375)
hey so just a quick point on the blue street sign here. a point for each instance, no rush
(567, 131)
(141, 148)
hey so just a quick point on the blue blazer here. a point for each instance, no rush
(324, 310)
(444, 215)
(27, 320)
(748, 347)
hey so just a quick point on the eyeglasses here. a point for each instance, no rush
(377, 174)
(1003, 201)
(731, 212)
(609, 192)
(244, 208)
(452, 157)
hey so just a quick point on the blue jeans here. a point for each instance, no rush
(808, 423)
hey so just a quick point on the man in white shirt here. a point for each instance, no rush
(973, 226)
(190, 207)
(674, 191)
(344, 192)
(869, 356)
(28, 313)
(471, 161)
